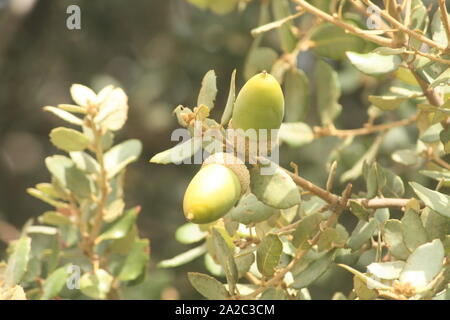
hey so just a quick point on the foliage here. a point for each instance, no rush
(87, 241)
(400, 247)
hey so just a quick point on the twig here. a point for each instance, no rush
(348, 27)
(331, 131)
(440, 162)
(340, 207)
(403, 28)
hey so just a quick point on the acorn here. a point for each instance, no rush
(260, 106)
(215, 189)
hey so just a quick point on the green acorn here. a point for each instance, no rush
(215, 189)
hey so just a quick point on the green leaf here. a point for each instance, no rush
(423, 264)
(405, 157)
(326, 239)
(17, 262)
(183, 258)
(374, 64)
(386, 270)
(359, 211)
(437, 29)
(328, 91)
(44, 197)
(357, 169)
(312, 272)
(394, 186)
(306, 228)
(244, 260)
(393, 235)
(227, 113)
(331, 41)
(368, 281)
(361, 234)
(208, 286)
(268, 254)
(66, 116)
(362, 291)
(296, 95)
(259, 59)
(445, 139)
(226, 258)
(178, 153)
(436, 175)
(54, 218)
(437, 201)
(96, 284)
(113, 110)
(414, 234)
(54, 283)
(136, 262)
(68, 175)
(189, 233)
(387, 103)
(68, 139)
(82, 95)
(442, 80)
(208, 91)
(72, 108)
(281, 9)
(435, 224)
(119, 156)
(251, 210)
(85, 162)
(295, 134)
(120, 228)
(277, 190)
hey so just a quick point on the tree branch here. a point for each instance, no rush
(347, 27)
(368, 129)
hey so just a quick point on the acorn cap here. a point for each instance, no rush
(233, 163)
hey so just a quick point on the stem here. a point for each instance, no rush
(331, 131)
(301, 253)
(348, 27)
(403, 28)
(440, 162)
(103, 186)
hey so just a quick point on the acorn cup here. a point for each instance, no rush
(258, 109)
(215, 189)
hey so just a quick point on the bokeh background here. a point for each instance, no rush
(157, 51)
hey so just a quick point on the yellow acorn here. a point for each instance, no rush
(215, 189)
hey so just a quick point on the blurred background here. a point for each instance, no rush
(158, 52)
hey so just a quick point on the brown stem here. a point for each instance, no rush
(103, 186)
(340, 207)
(385, 203)
(403, 28)
(331, 131)
(348, 27)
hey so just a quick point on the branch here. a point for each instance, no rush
(368, 129)
(385, 42)
(340, 207)
(403, 28)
